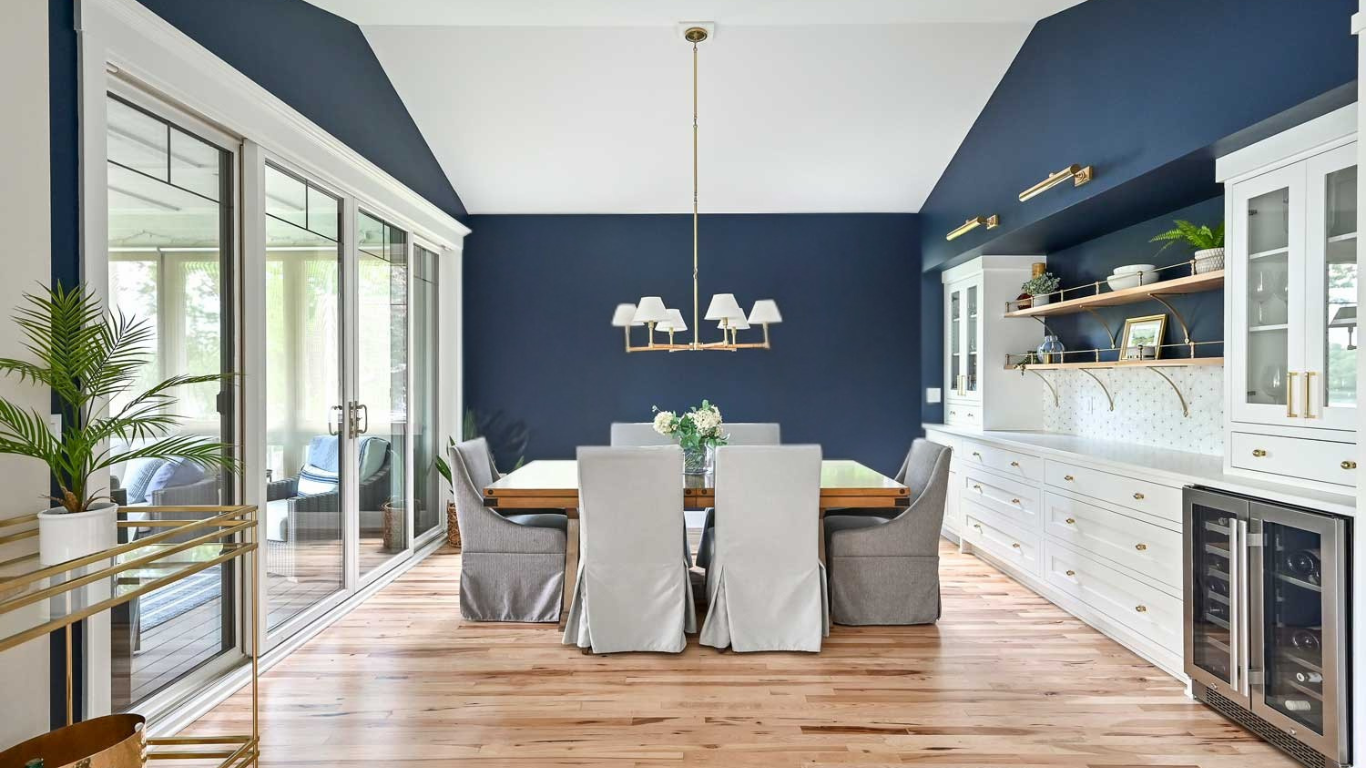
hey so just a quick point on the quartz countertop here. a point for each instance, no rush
(1177, 467)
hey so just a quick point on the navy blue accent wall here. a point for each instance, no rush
(844, 372)
(1096, 259)
(1147, 91)
(64, 137)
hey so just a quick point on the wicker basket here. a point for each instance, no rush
(452, 526)
(114, 741)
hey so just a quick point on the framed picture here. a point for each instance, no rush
(1142, 339)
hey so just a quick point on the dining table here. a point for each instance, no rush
(554, 484)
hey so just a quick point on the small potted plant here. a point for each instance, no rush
(698, 432)
(1208, 243)
(1040, 287)
(444, 468)
(89, 357)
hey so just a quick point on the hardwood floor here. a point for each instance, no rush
(1005, 678)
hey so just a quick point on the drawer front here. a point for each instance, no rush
(963, 414)
(1011, 499)
(1162, 501)
(1143, 609)
(1149, 549)
(1318, 460)
(1007, 546)
(1005, 461)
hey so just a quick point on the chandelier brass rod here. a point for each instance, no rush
(696, 326)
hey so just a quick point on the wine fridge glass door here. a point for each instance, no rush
(1214, 611)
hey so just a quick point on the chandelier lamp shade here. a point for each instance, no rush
(724, 309)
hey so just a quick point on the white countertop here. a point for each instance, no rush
(1178, 467)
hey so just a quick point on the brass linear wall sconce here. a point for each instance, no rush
(992, 222)
(1079, 175)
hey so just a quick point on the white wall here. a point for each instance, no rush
(24, 218)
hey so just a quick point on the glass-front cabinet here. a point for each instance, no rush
(1292, 292)
(964, 307)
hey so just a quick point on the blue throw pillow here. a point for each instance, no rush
(140, 472)
(174, 474)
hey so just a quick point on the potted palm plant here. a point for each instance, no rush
(88, 357)
(1207, 241)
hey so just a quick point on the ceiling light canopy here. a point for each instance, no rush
(651, 312)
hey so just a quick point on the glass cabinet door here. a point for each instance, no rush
(955, 345)
(1214, 611)
(1266, 288)
(1297, 615)
(973, 329)
(1330, 367)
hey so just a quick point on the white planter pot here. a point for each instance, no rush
(1041, 299)
(64, 536)
(1209, 260)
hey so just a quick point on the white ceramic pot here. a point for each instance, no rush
(1040, 300)
(1209, 260)
(64, 536)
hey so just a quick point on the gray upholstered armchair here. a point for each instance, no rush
(886, 570)
(314, 510)
(511, 567)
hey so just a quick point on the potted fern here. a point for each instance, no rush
(88, 357)
(1207, 241)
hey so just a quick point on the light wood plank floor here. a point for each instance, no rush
(1005, 678)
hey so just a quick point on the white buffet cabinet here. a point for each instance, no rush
(1092, 526)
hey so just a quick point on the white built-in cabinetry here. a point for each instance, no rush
(1102, 542)
(1291, 305)
(979, 390)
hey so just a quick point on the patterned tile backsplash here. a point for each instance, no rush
(1147, 411)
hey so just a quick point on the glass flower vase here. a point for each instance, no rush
(699, 460)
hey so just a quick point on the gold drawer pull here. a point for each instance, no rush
(1068, 478)
(1141, 547)
(1258, 453)
(1071, 573)
(977, 488)
(1138, 497)
(969, 414)
(1141, 608)
(975, 453)
(1071, 521)
(1014, 501)
(1016, 545)
(1349, 464)
(977, 526)
(1015, 464)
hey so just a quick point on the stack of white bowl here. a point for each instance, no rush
(1132, 276)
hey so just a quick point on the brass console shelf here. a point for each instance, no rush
(175, 549)
(1027, 363)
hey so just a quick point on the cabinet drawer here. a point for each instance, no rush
(1011, 499)
(1002, 460)
(1007, 546)
(1319, 460)
(1149, 549)
(1143, 609)
(963, 414)
(1161, 501)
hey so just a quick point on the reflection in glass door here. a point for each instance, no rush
(1214, 567)
(379, 415)
(1331, 363)
(304, 471)
(426, 441)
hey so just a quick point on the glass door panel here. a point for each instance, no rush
(972, 329)
(1332, 266)
(1269, 316)
(955, 342)
(427, 443)
(1292, 623)
(380, 415)
(304, 472)
(1215, 607)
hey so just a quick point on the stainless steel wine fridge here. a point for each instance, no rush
(1267, 621)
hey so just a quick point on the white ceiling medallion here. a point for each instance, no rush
(731, 319)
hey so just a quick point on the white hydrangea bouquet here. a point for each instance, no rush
(698, 432)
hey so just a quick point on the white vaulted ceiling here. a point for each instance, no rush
(584, 106)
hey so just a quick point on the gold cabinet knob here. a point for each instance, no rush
(975, 453)
(1141, 547)
(1071, 521)
(1014, 501)
(1015, 464)
(1071, 573)
(1138, 497)
(1259, 453)
(1016, 545)
(977, 526)
(969, 414)
(977, 488)
(1068, 478)
(1349, 464)
(1141, 608)
(953, 413)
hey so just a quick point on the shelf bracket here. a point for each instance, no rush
(1102, 386)
(1051, 389)
(1185, 409)
(1185, 329)
(1046, 329)
(1093, 313)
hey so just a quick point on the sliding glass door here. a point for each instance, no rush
(427, 482)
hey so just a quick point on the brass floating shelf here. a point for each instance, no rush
(1207, 281)
(1179, 362)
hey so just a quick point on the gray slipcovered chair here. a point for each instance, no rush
(511, 567)
(740, 433)
(886, 570)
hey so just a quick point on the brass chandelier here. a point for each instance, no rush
(724, 309)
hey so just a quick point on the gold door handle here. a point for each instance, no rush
(1141, 608)
(1071, 573)
(1309, 394)
(1141, 547)
(1068, 478)
(978, 527)
(1349, 464)
(1258, 453)
(1070, 521)
(1138, 497)
(953, 413)
(1290, 395)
